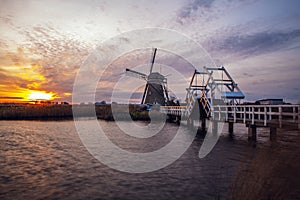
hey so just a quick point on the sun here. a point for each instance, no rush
(40, 95)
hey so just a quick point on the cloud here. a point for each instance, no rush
(7, 20)
(59, 54)
(258, 43)
(10, 98)
(193, 6)
(55, 45)
(46, 60)
(203, 11)
(235, 44)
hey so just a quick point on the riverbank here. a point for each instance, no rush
(61, 112)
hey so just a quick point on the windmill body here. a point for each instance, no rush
(155, 91)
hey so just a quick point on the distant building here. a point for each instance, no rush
(270, 102)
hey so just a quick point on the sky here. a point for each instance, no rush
(43, 43)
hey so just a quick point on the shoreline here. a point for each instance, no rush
(65, 112)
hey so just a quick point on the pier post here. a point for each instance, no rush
(230, 129)
(273, 133)
(178, 119)
(190, 122)
(215, 128)
(203, 125)
(298, 110)
(252, 132)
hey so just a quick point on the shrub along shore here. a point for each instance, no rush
(61, 112)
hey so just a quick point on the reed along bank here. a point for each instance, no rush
(26, 112)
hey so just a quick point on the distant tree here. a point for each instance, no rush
(100, 103)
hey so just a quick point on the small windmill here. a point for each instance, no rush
(156, 85)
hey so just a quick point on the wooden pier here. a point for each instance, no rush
(217, 98)
(253, 116)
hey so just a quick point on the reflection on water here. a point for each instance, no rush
(46, 160)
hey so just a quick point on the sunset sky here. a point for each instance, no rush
(43, 43)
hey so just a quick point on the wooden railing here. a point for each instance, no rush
(174, 110)
(263, 115)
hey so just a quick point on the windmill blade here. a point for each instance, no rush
(136, 74)
(153, 59)
(144, 94)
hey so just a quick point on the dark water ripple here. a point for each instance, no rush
(46, 160)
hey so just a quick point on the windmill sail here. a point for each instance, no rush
(153, 59)
(136, 74)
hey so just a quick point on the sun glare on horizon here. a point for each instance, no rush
(38, 95)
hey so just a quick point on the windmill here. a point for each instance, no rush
(156, 84)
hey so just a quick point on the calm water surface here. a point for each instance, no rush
(46, 160)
